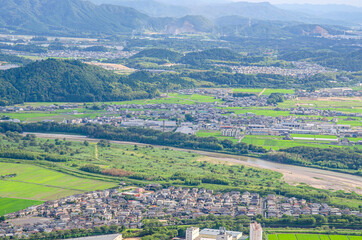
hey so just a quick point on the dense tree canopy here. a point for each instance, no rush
(71, 81)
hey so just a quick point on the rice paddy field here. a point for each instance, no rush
(216, 134)
(349, 105)
(38, 183)
(277, 142)
(258, 111)
(314, 136)
(264, 92)
(9, 205)
(311, 237)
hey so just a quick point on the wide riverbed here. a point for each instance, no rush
(292, 174)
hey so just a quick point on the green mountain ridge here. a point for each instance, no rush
(70, 16)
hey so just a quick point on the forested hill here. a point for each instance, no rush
(71, 81)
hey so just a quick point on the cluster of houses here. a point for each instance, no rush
(130, 207)
(279, 206)
(322, 112)
(300, 70)
(329, 92)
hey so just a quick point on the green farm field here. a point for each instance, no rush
(342, 104)
(37, 183)
(9, 205)
(172, 98)
(276, 142)
(58, 116)
(217, 134)
(266, 92)
(314, 136)
(311, 237)
(258, 111)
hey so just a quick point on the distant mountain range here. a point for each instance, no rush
(343, 13)
(82, 18)
(72, 16)
(149, 7)
(79, 17)
(306, 13)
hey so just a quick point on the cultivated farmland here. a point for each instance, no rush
(37, 183)
(311, 237)
(9, 205)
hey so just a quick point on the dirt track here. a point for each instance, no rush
(292, 174)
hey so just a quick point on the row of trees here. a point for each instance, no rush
(141, 135)
(335, 158)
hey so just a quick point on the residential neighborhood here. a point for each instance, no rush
(129, 206)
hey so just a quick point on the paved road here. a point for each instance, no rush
(292, 174)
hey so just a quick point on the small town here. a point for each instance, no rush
(129, 206)
(299, 70)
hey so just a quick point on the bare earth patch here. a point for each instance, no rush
(112, 66)
(28, 220)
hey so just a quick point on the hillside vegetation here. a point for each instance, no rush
(72, 81)
(164, 54)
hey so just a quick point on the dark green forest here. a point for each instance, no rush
(341, 159)
(71, 81)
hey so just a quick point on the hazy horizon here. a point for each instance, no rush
(315, 2)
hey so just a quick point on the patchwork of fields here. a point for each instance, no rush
(277, 142)
(311, 237)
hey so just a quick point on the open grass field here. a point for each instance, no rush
(283, 91)
(248, 90)
(311, 237)
(258, 111)
(173, 98)
(58, 116)
(9, 205)
(216, 134)
(313, 136)
(266, 92)
(276, 142)
(343, 104)
(37, 183)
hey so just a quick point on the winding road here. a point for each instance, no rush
(294, 175)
